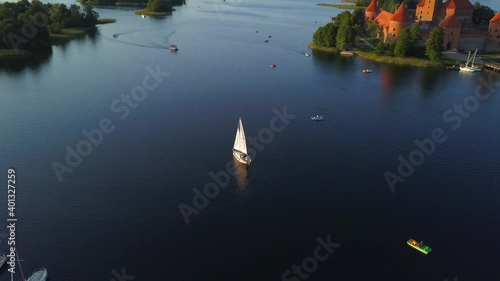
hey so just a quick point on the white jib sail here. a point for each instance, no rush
(240, 142)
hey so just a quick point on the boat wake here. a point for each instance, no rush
(152, 46)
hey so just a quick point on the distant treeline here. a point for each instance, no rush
(27, 26)
(162, 4)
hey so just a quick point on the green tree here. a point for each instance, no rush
(319, 35)
(330, 35)
(434, 44)
(416, 34)
(341, 17)
(389, 48)
(345, 34)
(358, 17)
(403, 44)
(374, 29)
(90, 17)
(380, 48)
(482, 14)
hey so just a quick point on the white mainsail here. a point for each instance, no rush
(240, 143)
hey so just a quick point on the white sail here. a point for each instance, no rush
(240, 143)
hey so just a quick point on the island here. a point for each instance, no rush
(28, 29)
(431, 36)
(151, 7)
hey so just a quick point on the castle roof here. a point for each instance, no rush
(496, 18)
(421, 3)
(384, 19)
(401, 14)
(450, 21)
(373, 7)
(458, 4)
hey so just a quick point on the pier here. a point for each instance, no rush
(495, 66)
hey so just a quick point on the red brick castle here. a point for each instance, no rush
(454, 16)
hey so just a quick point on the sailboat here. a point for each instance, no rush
(469, 65)
(240, 146)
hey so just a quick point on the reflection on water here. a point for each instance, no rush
(18, 65)
(241, 175)
(394, 77)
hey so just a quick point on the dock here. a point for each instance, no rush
(346, 53)
(495, 66)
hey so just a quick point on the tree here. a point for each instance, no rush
(482, 14)
(374, 29)
(380, 48)
(330, 35)
(403, 44)
(345, 34)
(415, 33)
(319, 35)
(90, 17)
(358, 17)
(434, 45)
(342, 16)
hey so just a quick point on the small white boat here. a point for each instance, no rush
(39, 275)
(3, 258)
(172, 48)
(367, 71)
(240, 146)
(307, 55)
(469, 65)
(317, 118)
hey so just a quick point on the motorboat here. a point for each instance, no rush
(367, 71)
(317, 118)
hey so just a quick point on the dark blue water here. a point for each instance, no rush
(119, 208)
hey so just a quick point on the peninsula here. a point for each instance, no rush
(28, 29)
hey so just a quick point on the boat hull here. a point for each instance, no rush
(241, 157)
(419, 246)
(40, 275)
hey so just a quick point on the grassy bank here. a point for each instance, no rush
(67, 34)
(105, 21)
(341, 6)
(13, 54)
(147, 12)
(321, 48)
(418, 62)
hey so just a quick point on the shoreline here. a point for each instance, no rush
(408, 61)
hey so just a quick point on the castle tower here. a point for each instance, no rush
(495, 28)
(452, 28)
(428, 10)
(371, 11)
(462, 9)
(398, 21)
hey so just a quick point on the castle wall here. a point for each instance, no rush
(451, 38)
(468, 43)
(494, 31)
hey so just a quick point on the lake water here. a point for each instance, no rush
(118, 210)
